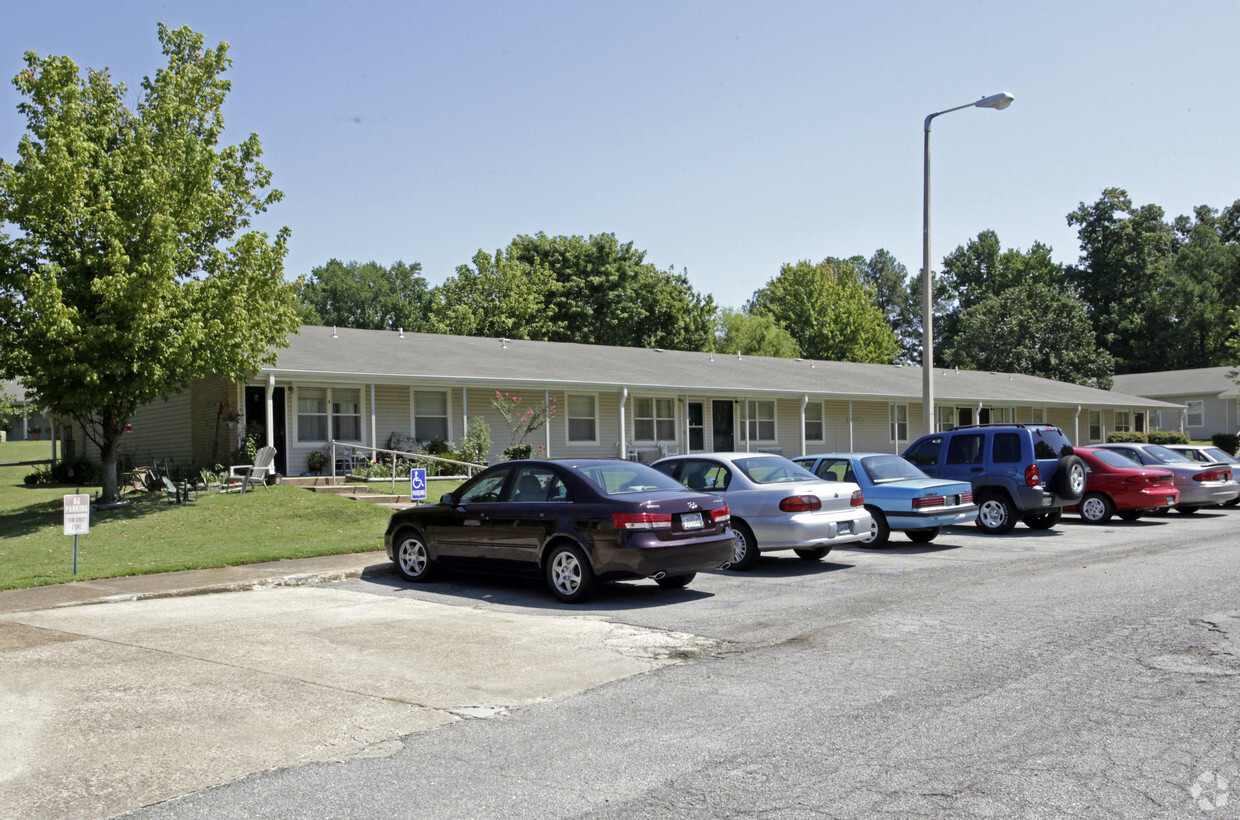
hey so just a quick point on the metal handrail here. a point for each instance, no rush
(394, 454)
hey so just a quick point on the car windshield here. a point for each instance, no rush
(885, 469)
(625, 478)
(1166, 456)
(1114, 459)
(1050, 442)
(772, 470)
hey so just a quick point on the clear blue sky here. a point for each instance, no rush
(723, 138)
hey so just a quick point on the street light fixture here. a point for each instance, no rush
(997, 102)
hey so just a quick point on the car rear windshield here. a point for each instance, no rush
(1166, 456)
(625, 478)
(772, 470)
(1050, 442)
(885, 469)
(1114, 459)
(1219, 455)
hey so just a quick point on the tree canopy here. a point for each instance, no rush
(753, 335)
(133, 271)
(365, 295)
(828, 311)
(498, 296)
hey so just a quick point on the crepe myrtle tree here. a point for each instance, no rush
(131, 270)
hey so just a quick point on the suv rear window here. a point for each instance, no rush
(1007, 448)
(1050, 443)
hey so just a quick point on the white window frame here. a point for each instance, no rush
(1200, 413)
(944, 418)
(413, 413)
(328, 416)
(1094, 427)
(333, 418)
(894, 422)
(1037, 415)
(654, 418)
(821, 421)
(1123, 421)
(755, 420)
(569, 417)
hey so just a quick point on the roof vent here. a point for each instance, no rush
(738, 355)
(334, 336)
(402, 333)
(503, 342)
(658, 350)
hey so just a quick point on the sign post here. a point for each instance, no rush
(417, 484)
(77, 521)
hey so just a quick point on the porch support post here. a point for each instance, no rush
(269, 408)
(373, 424)
(464, 412)
(850, 426)
(1076, 426)
(547, 426)
(804, 404)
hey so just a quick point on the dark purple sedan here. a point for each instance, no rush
(576, 522)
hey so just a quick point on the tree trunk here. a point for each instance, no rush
(109, 444)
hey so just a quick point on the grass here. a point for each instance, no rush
(152, 535)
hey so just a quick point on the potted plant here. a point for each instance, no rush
(317, 460)
(35, 432)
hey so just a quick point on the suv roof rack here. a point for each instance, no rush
(1004, 424)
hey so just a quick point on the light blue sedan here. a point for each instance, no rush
(898, 495)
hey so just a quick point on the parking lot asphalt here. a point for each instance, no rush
(125, 692)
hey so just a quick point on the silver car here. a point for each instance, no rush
(775, 504)
(1200, 484)
(1209, 454)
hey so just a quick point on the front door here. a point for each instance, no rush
(256, 413)
(721, 419)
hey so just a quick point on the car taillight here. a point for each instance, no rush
(1032, 479)
(858, 499)
(1213, 475)
(966, 498)
(929, 501)
(800, 503)
(722, 515)
(642, 521)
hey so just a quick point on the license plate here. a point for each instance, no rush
(691, 521)
(1170, 501)
(845, 528)
(951, 500)
(1046, 500)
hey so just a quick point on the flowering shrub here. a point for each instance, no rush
(521, 420)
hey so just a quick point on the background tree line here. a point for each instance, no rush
(1146, 294)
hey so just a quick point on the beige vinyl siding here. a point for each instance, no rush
(871, 427)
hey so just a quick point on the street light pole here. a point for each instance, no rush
(998, 102)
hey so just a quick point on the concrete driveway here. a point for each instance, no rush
(113, 706)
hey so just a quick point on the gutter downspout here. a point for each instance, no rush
(464, 412)
(547, 426)
(1076, 425)
(374, 427)
(804, 404)
(624, 444)
(850, 427)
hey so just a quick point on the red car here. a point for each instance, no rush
(1116, 484)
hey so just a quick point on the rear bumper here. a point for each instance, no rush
(644, 555)
(1205, 495)
(917, 519)
(809, 530)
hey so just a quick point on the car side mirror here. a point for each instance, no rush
(447, 498)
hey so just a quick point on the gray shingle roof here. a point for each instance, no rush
(387, 357)
(1212, 381)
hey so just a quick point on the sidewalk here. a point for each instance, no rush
(294, 572)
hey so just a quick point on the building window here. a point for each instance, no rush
(946, 419)
(582, 419)
(654, 419)
(761, 420)
(430, 415)
(346, 414)
(1123, 420)
(1038, 416)
(312, 414)
(994, 415)
(1095, 425)
(899, 422)
(813, 421)
(1196, 413)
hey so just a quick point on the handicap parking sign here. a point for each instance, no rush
(417, 484)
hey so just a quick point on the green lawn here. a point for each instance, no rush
(155, 536)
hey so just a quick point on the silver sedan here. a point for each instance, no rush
(775, 504)
(1200, 485)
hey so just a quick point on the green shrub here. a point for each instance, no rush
(518, 451)
(76, 471)
(1168, 437)
(1125, 437)
(1227, 442)
(40, 475)
(477, 443)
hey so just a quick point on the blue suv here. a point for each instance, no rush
(1025, 472)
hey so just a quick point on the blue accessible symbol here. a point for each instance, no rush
(417, 484)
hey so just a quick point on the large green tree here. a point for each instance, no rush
(606, 293)
(498, 296)
(132, 270)
(1034, 329)
(829, 311)
(365, 295)
(1124, 249)
(888, 279)
(752, 335)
